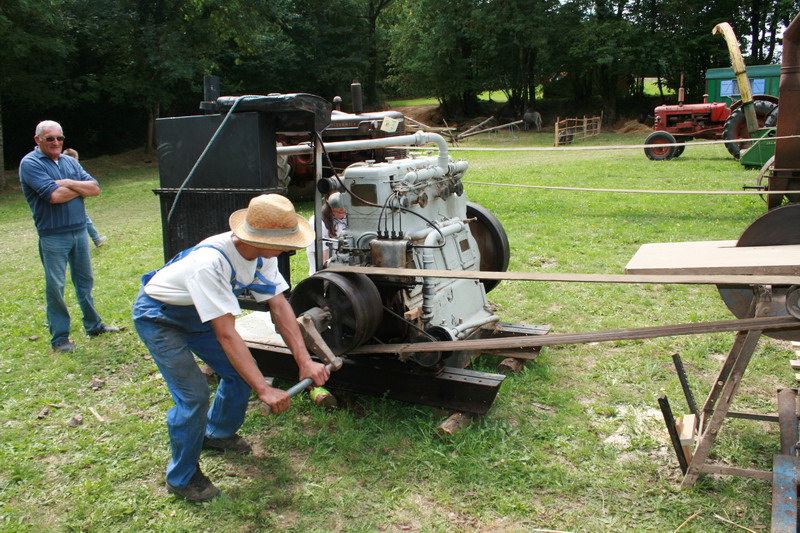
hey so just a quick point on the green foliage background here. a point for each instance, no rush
(106, 69)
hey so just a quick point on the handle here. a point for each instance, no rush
(293, 391)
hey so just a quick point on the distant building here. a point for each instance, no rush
(721, 85)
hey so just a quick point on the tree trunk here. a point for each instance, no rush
(374, 9)
(2, 151)
(153, 113)
(532, 78)
(756, 52)
(372, 55)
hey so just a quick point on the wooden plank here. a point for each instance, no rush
(684, 426)
(735, 471)
(687, 430)
(715, 257)
(661, 279)
(795, 364)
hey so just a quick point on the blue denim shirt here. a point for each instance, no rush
(37, 174)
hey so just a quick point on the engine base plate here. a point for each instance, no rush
(455, 389)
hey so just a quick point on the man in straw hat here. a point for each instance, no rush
(187, 308)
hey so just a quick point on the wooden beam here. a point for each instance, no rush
(762, 323)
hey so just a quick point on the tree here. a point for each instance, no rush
(150, 54)
(301, 46)
(31, 68)
(687, 41)
(514, 36)
(434, 52)
(374, 9)
(766, 19)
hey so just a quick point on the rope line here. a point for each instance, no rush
(631, 191)
(613, 147)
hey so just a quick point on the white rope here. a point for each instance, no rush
(632, 191)
(612, 147)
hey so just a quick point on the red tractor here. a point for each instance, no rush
(683, 122)
(677, 124)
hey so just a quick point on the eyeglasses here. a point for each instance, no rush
(60, 138)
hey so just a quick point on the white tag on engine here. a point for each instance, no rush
(389, 124)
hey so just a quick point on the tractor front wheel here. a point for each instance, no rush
(658, 151)
(679, 149)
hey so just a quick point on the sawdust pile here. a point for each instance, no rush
(633, 126)
(430, 115)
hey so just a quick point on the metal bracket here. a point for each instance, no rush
(315, 343)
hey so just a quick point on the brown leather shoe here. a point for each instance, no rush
(199, 489)
(234, 444)
(64, 346)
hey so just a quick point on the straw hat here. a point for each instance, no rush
(270, 221)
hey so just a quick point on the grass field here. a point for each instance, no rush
(573, 443)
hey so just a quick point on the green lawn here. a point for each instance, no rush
(651, 87)
(573, 443)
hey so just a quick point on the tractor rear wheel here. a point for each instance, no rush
(658, 152)
(736, 125)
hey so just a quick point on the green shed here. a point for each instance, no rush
(721, 85)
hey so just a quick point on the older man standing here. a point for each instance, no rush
(55, 187)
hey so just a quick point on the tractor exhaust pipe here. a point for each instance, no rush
(356, 96)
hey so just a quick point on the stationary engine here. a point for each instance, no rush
(406, 213)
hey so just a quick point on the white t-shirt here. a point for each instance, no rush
(203, 279)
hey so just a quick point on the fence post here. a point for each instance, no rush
(557, 123)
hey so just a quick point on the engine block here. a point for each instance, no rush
(412, 213)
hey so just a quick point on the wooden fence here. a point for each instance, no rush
(570, 130)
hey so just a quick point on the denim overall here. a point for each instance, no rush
(174, 334)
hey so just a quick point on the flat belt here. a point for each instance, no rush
(679, 279)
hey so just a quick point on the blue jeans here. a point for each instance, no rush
(56, 251)
(174, 335)
(91, 230)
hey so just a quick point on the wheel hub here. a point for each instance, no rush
(353, 302)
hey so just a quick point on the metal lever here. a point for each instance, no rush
(317, 345)
(293, 391)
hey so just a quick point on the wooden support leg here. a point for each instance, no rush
(722, 376)
(720, 399)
